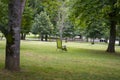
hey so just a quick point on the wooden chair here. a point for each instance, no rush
(59, 45)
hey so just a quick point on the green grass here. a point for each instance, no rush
(82, 61)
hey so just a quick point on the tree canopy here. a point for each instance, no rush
(89, 11)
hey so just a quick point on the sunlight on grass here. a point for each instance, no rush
(82, 61)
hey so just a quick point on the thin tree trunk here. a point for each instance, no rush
(42, 37)
(111, 45)
(46, 37)
(93, 41)
(66, 39)
(87, 39)
(106, 40)
(23, 36)
(119, 43)
(61, 33)
(23, 5)
(12, 60)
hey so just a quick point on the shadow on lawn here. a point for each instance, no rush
(97, 52)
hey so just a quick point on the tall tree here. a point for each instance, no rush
(12, 61)
(69, 30)
(50, 7)
(62, 16)
(42, 25)
(112, 13)
(27, 21)
(94, 30)
(12, 34)
(89, 9)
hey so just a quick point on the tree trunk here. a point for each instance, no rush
(61, 33)
(46, 37)
(22, 5)
(106, 40)
(93, 41)
(66, 39)
(87, 39)
(42, 37)
(12, 60)
(111, 45)
(119, 43)
(23, 36)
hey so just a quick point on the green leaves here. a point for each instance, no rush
(42, 24)
(3, 12)
(117, 4)
(27, 19)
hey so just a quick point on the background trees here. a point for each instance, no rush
(10, 23)
(111, 11)
(42, 25)
(90, 10)
(67, 18)
(95, 30)
(88, 13)
(27, 21)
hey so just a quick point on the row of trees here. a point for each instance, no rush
(66, 18)
(48, 18)
(98, 14)
(41, 16)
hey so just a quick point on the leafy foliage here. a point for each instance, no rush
(3, 13)
(42, 24)
(95, 30)
(27, 20)
(69, 30)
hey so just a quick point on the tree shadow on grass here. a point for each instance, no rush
(96, 52)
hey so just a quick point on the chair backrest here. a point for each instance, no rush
(59, 43)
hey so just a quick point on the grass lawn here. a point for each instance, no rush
(82, 61)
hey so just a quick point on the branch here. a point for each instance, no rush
(23, 5)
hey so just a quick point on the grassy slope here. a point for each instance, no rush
(83, 61)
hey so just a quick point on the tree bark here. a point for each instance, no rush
(12, 60)
(111, 45)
